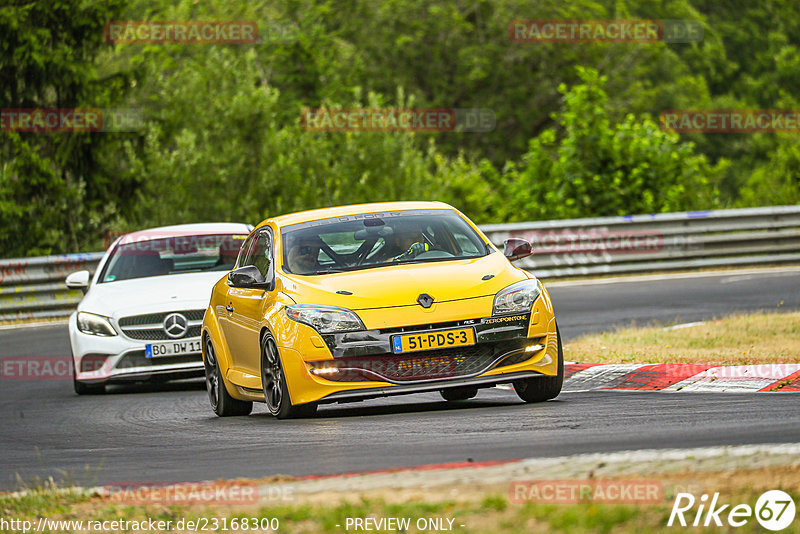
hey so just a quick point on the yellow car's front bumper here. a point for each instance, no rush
(307, 387)
(362, 365)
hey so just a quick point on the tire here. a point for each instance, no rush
(221, 401)
(458, 394)
(82, 388)
(540, 389)
(273, 382)
(158, 380)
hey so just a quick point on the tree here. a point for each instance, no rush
(592, 167)
(224, 144)
(51, 189)
(777, 182)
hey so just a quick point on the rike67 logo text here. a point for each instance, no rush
(774, 510)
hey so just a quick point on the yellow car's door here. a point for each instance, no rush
(244, 310)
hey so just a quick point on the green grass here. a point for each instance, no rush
(40, 502)
(757, 338)
(493, 513)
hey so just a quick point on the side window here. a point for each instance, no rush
(463, 244)
(467, 247)
(246, 246)
(258, 252)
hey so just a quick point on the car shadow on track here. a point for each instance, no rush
(476, 405)
(356, 410)
(191, 384)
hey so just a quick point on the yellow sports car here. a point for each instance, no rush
(357, 302)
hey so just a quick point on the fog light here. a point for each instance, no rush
(534, 348)
(325, 370)
(93, 362)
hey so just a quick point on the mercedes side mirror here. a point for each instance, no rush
(78, 280)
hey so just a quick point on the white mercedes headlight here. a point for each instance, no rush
(325, 319)
(96, 325)
(516, 298)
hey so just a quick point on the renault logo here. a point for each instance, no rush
(425, 300)
(175, 325)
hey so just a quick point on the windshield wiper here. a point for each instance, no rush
(326, 271)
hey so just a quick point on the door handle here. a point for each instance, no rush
(229, 308)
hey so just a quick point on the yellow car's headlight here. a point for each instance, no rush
(96, 325)
(325, 319)
(516, 298)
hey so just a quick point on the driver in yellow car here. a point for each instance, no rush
(411, 240)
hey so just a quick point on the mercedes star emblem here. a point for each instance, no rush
(175, 325)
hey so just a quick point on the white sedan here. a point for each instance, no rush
(141, 316)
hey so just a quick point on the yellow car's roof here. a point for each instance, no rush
(355, 209)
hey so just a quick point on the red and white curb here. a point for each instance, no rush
(783, 378)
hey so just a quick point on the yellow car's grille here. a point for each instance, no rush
(429, 365)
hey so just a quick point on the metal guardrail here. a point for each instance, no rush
(659, 242)
(34, 287)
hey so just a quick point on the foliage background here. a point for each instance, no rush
(577, 132)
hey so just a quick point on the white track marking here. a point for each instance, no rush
(33, 325)
(734, 378)
(598, 376)
(684, 325)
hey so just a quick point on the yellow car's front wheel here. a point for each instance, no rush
(273, 382)
(543, 388)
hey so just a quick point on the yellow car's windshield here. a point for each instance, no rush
(378, 239)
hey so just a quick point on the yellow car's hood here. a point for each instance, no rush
(385, 287)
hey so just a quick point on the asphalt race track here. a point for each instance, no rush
(168, 432)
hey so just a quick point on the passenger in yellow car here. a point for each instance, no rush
(303, 256)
